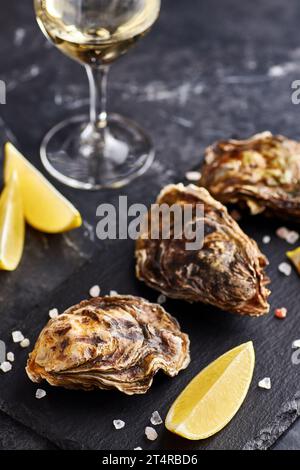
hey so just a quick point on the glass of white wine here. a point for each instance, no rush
(102, 150)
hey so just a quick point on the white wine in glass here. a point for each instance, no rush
(102, 150)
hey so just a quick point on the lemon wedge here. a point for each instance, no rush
(12, 225)
(294, 256)
(214, 396)
(45, 208)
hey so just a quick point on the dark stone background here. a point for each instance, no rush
(222, 68)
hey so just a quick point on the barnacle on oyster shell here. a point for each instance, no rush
(228, 271)
(109, 342)
(262, 172)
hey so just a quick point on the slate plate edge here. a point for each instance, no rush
(286, 416)
(264, 440)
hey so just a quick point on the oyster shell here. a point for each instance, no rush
(228, 271)
(262, 173)
(109, 342)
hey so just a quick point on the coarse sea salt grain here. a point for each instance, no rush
(25, 343)
(285, 268)
(118, 423)
(113, 293)
(137, 448)
(265, 383)
(10, 356)
(150, 433)
(17, 336)
(282, 232)
(280, 313)
(296, 344)
(161, 299)
(53, 313)
(292, 237)
(5, 366)
(193, 175)
(266, 239)
(95, 291)
(40, 393)
(156, 419)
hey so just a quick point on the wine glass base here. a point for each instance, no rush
(77, 156)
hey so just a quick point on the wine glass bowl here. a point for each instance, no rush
(102, 150)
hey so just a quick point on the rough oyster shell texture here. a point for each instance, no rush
(228, 271)
(262, 172)
(109, 342)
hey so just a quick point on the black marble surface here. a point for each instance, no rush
(210, 69)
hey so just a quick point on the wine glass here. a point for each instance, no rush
(102, 150)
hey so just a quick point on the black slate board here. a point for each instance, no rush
(15, 436)
(212, 80)
(81, 420)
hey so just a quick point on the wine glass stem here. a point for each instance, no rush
(98, 97)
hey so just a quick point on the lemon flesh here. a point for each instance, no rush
(45, 208)
(12, 225)
(214, 396)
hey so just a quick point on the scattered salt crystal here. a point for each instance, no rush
(40, 393)
(193, 175)
(265, 383)
(296, 344)
(280, 313)
(10, 356)
(151, 434)
(95, 291)
(86, 150)
(113, 293)
(276, 71)
(266, 239)
(156, 419)
(53, 313)
(161, 299)
(17, 336)
(5, 366)
(20, 34)
(282, 232)
(34, 71)
(285, 268)
(25, 343)
(118, 423)
(137, 448)
(292, 237)
(58, 99)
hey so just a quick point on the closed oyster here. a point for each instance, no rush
(262, 172)
(228, 271)
(115, 342)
